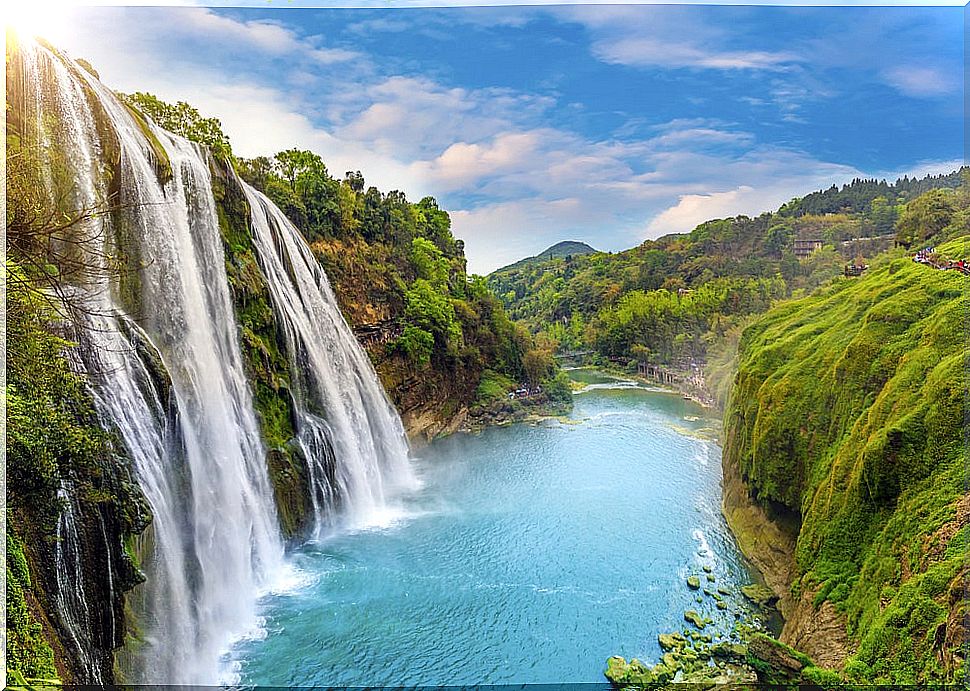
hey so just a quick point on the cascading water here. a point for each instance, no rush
(340, 402)
(72, 606)
(168, 375)
(196, 448)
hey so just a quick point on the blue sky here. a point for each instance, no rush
(603, 123)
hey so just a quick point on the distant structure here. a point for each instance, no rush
(855, 269)
(805, 248)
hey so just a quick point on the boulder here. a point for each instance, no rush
(759, 594)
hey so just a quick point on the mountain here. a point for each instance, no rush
(566, 248)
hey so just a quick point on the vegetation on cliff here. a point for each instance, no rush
(399, 275)
(848, 411)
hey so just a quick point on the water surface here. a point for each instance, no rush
(530, 555)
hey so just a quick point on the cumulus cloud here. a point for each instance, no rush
(515, 182)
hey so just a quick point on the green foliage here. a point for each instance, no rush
(28, 652)
(184, 120)
(848, 409)
(51, 428)
(493, 387)
(678, 297)
(925, 217)
(861, 195)
(417, 344)
(433, 312)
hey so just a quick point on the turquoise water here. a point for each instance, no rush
(530, 555)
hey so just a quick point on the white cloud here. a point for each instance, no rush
(519, 185)
(920, 82)
(693, 209)
(658, 52)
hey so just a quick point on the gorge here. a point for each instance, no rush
(214, 372)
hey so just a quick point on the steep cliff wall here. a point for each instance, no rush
(845, 469)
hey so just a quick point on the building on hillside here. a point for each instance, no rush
(805, 248)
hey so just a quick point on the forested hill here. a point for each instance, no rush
(847, 414)
(670, 300)
(440, 340)
(870, 195)
(566, 248)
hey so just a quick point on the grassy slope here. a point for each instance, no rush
(848, 408)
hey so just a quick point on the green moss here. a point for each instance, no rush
(847, 409)
(159, 159)
(28, 652)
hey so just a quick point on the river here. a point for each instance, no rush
(530, 554)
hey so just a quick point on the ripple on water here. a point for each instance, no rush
(530, 555)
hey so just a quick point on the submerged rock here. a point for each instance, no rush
(695, 619)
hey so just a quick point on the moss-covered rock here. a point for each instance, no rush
(671, 641)
(693, 582)
(759, 594)
(695, 619)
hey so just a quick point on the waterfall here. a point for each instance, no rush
(167, 374)
(340, 402)
(72, 605)
(191, 433)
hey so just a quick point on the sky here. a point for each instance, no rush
(608, 124)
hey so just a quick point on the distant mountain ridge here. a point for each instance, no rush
(565, 248)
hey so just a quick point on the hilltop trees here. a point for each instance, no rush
(669, 299)
(924, 217)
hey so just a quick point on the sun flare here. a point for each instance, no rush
(27, 19)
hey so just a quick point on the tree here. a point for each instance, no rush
(184, 120)
(924, 217)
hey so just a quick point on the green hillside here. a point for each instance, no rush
(676, 298)
(848, 410)
(566, 248)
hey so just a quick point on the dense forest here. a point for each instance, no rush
(440, 340)
(672, 300)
